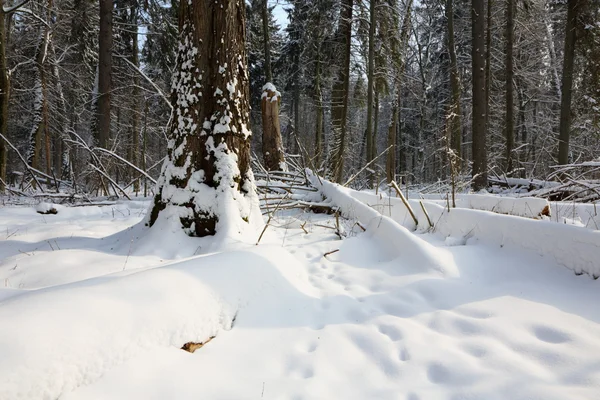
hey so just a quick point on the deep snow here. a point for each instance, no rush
(93, 307)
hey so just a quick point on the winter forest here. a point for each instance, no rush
(299, 199)
(503, 89)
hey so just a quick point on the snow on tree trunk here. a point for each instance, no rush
(206, 183)
(272, 145)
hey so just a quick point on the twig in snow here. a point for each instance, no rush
(408, 207)
(426, 214)
(330, 252)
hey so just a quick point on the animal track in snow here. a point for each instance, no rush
(392, 332)
(403, 354)
(550, 335)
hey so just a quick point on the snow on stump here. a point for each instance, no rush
(272, 145)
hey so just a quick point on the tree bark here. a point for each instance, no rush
(266, 41)
(206, 180)
(135, 134)
(105, 41)
(455, 112)
(319, 109)
(341, 92)
(509, 116)
(370, 85)
(4, 97)
(479, 96)
(272, 145)
(564, 130)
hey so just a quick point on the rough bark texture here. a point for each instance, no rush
(208, 160)
(509, 116)
(567, 83)
(455, 112)
(340, 92)
(479, 96)
(272, 145)
(105, 41)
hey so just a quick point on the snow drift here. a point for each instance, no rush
(387, 231)
(54, 340)
(569, 246)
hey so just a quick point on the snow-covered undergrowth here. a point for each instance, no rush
(95, 307)
(570, 246)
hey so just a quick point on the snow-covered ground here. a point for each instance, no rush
(92, 306)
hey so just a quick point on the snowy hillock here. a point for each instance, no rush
(570, 246)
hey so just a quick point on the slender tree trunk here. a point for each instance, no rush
(39, 131)
(455, 112)
(105, 41)
(479, 96)
(370, 85)
(266, 41)
(488, 64)
(135, 134)
(319, 109)
(341, 93)
(375, 124)
(206, 182)
(567, 83)
(509, 116)
(272, 144)
(395, 128)
(4, 97)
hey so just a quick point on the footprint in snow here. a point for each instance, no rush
(392, 332)
(550, 335)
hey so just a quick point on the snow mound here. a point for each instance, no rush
(385, 230)
(63, 337)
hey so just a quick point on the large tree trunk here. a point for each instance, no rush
(564, 131)
(370, 85)
(455, 112)
(479, 96)
(509, 116)
(105, 41)
(206, 183)
(341, 92)
(272, 145)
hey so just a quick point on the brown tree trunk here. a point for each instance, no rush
(135, 134)
(105, 41)
(567, 83)
(479, 96)
(509, 116)
(370, 84)
(272, 145)
(341, 92)
(4, 96)
(394, 129)
(319, 109)
(207, 176)
(455, 112)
